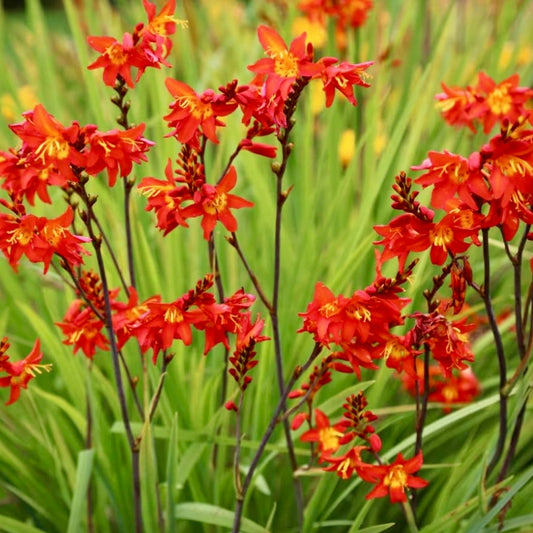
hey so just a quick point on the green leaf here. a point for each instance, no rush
(10, 525)
(212, 514)
(79, 497)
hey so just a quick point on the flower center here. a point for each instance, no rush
(198, 109)
(116, 54)
(217, 204)
(329, 309)
(53, 147)
(358, 312)
(173, 315)
(511, 165)
(22, 235)
(459, 174)
(285, 64)
(395, 350)
(441, 236)
(53, 233)
(499, 100)
(396, 477)
(329, 438)
(450, 393)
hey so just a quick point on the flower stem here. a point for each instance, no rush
(274, 420)
(485, 293)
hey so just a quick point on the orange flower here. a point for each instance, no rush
(327, 436)
(213, 203)
(191, 111)
(393, 479)
(451, 175)
(283, 64)
(118, 59)
(20, 373)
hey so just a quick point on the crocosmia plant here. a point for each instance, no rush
(287, 288)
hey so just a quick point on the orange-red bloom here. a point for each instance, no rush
(192, 111)
(393, 479)
(329, 437)
(213, 204)
(39, 238)
(20, 373)
(453, 175)
(284, 63)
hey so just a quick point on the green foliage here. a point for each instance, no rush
(46, 466)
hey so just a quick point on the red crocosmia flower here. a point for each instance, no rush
(357, 354)
(48, 144)
(449, 234)
(118, 59)
(116, 151)
(451, 175)
(323, 315)
(504, 100)
(400, 354)
(165, 198)
(23, 179)
(509, 161)
(191, 111)
(283, 64)
(404, 234)
(157, 31)
(454, 388)
(39, 239)
(213, 203)
(328, 437)
(83, 330)
(408, 233)
(20, 373)
(163, 322)
(342, 77)
(126, 315)
(517, 209)
(455, 104)
(221, 319)
(61, 241)
(447, 339)
(393, 479)
(345, 465)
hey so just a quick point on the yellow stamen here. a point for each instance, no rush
(396, 477)
(217, 204)
(173, 315)
(499, 100)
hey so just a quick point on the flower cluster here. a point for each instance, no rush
(487, 102)
(344, 13)
(266, 103)
(17, 374)
(156, 324)
(148, 45)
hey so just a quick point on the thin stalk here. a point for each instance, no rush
(112, 255)
(134, 444)
(213, 262)
(274, 420)
(128, 186)
(253, 278)
(88, 446)
(422, 406)
(485, 293)
(281, 196)
(523, 352)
